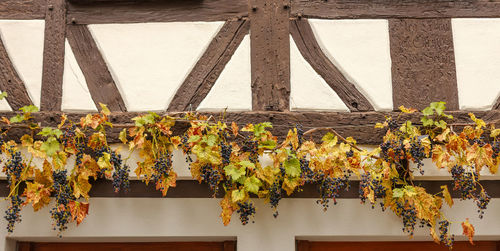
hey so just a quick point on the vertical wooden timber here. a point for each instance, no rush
(207, 70)
(302, 245)
(305, 40)
(11, 83)
(270, 49)
(101, 85)
(53, 55)
(423, 63)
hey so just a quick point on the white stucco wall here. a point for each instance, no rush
(143, 219)
(477, 56)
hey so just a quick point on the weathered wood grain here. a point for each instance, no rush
(22, 9)
(270, 49)
(53, 56)
(11, 83)
(207, 70)
(310, 49)
(345, 9)
(101, 85)
(423, 63)
(496, 106)
(138, 11)
(359, 125)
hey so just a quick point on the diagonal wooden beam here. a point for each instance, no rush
(53, 56)
(11, 83)
(309, 48)
(423, 63)
(496, 106)
(202, 78)
(101, 85)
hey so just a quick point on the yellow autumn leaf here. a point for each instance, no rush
(468, 230)
(81, 187)
(227, 210)
(447, 196)
(37, 194)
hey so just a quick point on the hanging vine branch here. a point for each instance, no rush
(226, 157)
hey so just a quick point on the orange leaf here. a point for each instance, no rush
(234, 128)
(447, 196)
(37, 194)
(468, 230)
(227, 209)
(79, 210)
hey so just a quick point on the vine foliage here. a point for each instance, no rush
(228, 158)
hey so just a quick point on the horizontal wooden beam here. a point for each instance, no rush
(22, 9)
(138, 11)
(359, 125)
(193, 189)
(342, 9)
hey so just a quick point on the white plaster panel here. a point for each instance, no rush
(4, 106)
(149, 219)
(232, 90)
(23, 40)
(76, 95)
(361, 50)
(149, 61)
(477, 57)
(308, 90)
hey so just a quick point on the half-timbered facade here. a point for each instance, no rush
(344, 64)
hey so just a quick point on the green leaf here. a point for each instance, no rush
(194, 138)
(247, 164)
(29, 109)
(17, 119)
(51, 146)
(410, 191)
(252, 184)
(210, 139)
(292, 167)
(428, 111)
(397, 193)
(427, 122)
(104, 109)
(330, 138)
(238, 195)
(123, 136)
(439, 107)
(234, 172)
(261, 128)
(3, 95)
(441, 124)
(47, 131)
(268, 144)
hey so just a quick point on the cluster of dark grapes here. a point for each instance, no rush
(300, 134)
(121, 173)
(306, 172)
(162, 166)
(463, 181)
(211, 176)
(225, 153)
(13, 213)
(367, 182)
(392, 124)
(60, 213)
(252, 147)
(397, 148)
(69, 136)
(482, 202)
(495, 147)
(186, 149)
(330, 188)
(409, 216)
(80, 149)
(246, 210)
(275, 195)
(418, 154)
(14, 165)
(444, 237)
(480, 141)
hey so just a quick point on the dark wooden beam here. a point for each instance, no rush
(101, 85)
(270, 49)
(193, 189)
(423, 63)
(309, 48)
(496, 106)
(53, 56)
(207, 70)
(359, 125)
(139, 11)
(346, 9)
(11, 83)
(22, 9)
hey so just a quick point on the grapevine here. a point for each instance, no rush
(227, 157)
